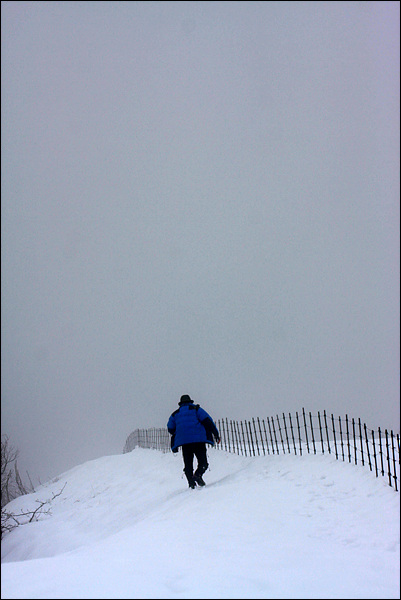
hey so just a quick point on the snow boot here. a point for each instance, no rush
(199, 480)
(191, 480)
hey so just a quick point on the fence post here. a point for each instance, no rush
(228, 435)
(281, 437)
(229, 438)
(224, 434)
(237, 438)
(355, 448)
(286, 434)
(313, 436)
(250, 433)
(243, 438)
(299, 434)
(321, 432)
(367, 445)
(234, 435)
(374, 452)
(306, 430)
(256, 435)
(349, 447)
(381, 451)
(334, 434)
(327, 431)
(388, 459)
(271, 436)
(223, 428)
(267, 441)
(292, 433)
(236, 425)
(341, 437)
(361, 439)
(247, 436)
(261, 437)
(394, 461)
(275, 437)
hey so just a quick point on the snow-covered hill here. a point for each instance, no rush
(127, 526)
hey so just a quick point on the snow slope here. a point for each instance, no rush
(127, 526)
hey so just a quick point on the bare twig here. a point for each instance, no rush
(12, 487)
(10, 521)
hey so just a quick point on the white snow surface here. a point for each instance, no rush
(274, 526)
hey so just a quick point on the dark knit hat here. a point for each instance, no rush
(185, 399)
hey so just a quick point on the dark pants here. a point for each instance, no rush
(197, 449)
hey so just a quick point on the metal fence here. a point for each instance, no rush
(348, 439)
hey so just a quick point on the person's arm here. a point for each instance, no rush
(209, 425)
(171, 425)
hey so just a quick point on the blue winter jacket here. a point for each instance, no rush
(191, 423)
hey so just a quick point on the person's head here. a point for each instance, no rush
(185, 399)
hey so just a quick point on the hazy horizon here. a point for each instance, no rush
(201, 198)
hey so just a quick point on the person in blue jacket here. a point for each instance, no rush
(192, 428)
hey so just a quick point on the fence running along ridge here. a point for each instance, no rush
(158, 439)
(348, 439)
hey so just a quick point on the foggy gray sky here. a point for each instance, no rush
(201, 198)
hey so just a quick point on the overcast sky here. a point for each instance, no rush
(197, 198)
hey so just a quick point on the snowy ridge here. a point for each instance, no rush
(347, 439)
(127, 526)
